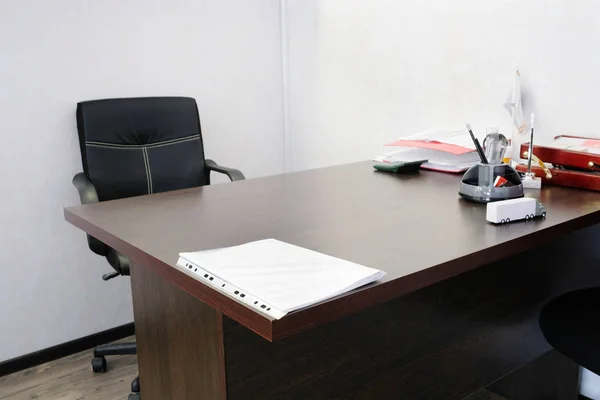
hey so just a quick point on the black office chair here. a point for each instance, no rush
(132, 147)
(571, 324)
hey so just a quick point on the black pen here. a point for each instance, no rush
(477, 146)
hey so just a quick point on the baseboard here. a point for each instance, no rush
(65, 349)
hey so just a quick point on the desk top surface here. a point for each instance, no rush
(415, 227)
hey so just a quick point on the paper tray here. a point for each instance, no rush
(565, 177)
(567, 157)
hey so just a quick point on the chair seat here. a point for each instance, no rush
(571, 324)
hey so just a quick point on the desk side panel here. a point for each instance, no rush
(179, 340)
(445, 341)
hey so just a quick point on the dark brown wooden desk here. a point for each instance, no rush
(456, 311)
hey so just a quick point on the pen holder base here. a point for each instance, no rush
(478, 183)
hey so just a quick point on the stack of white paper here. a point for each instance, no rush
(276, 277)
(437, 160)
(445, 150)
(583, 144)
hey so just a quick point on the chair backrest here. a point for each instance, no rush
(136, 146)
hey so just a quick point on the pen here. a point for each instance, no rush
(477, 145)
(529, 156)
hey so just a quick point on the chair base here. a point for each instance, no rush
(135, 385)
(116, 349)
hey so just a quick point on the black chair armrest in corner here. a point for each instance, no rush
(118, 261)
(87, 195)
(85, 188)
(232, 173)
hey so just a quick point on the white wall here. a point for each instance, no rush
(226, 54)
(364, 72)
(360, 73)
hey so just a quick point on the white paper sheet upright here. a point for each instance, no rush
(276, 277)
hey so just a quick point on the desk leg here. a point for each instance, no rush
(179, 340)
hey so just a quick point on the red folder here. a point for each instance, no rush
(432, 145)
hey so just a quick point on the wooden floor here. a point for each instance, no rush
(71, 378)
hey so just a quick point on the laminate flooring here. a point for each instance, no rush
(71, 378)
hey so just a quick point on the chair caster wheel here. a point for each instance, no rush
(134, 396)
(135, 385)
(99, 364)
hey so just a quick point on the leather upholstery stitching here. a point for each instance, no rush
(148, 171)
(142, 146)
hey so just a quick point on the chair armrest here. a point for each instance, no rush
(87, 195)
(85, 188)
(232, 173)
